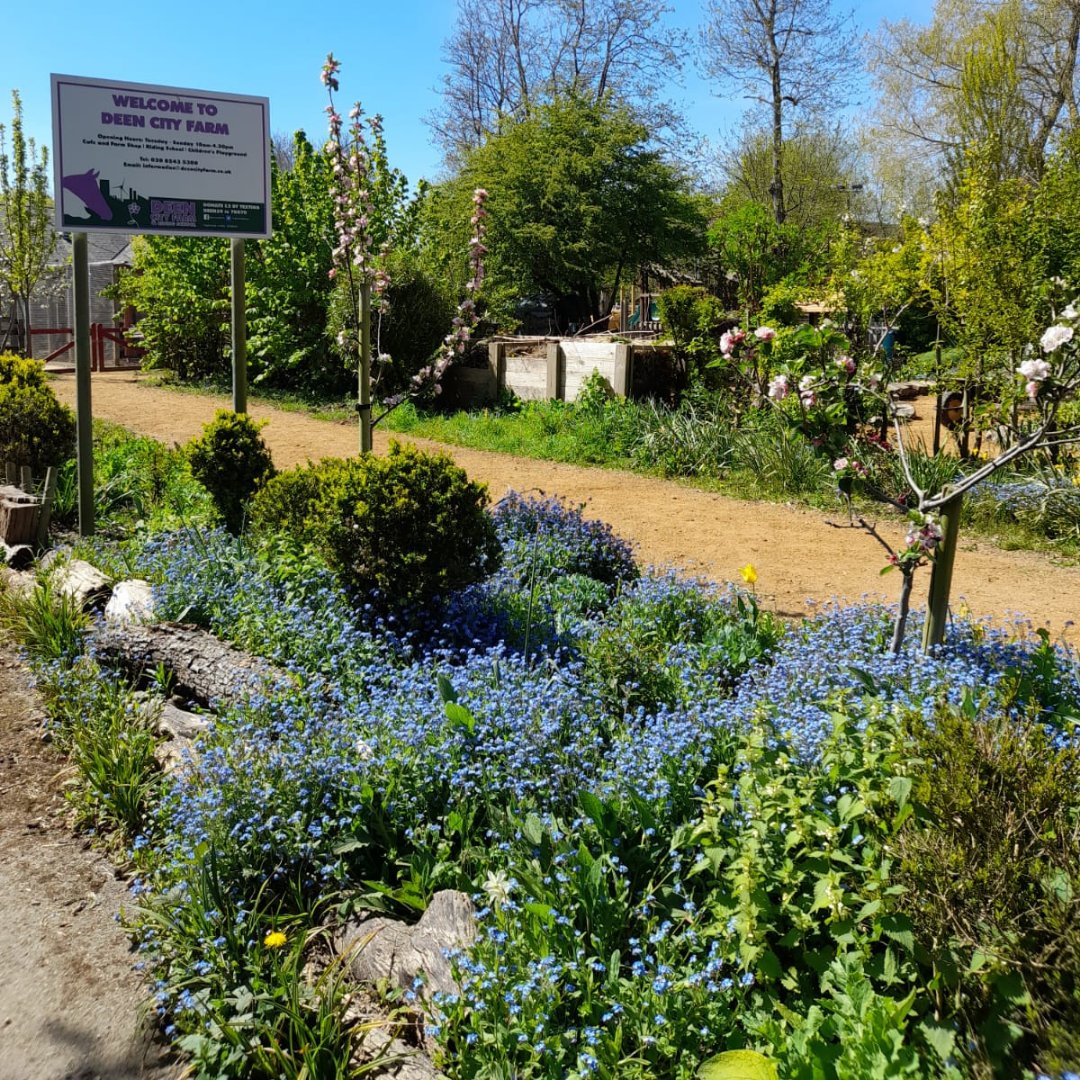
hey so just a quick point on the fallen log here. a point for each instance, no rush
(204, 669)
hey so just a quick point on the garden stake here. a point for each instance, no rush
(937, 612)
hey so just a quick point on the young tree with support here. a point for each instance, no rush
(27, 239)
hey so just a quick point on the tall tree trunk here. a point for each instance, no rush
(28, 337)
(776, 188)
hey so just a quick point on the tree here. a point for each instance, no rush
(1003, 70)
(507, 57)
(27, 239)
(577, 202)
(795, 58)
(819, 173)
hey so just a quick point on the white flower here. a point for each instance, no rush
(498, 887)
(1070, 311)
(1034, 370)
(1055, 337)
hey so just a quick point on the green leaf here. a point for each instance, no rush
(769, 964)
(460, 717)
(446, 689)
(900, 789)
(738, 1065)
(533, 830)
(941, 1039)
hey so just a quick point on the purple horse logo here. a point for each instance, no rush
(85, 187)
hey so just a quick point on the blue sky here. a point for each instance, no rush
(391, 54)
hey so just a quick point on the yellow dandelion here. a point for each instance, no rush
(748, 574)
(274, 940)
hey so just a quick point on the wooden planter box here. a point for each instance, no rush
(19, 515)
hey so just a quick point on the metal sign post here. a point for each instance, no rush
(239, 326)
(84, 417)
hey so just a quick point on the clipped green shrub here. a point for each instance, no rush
(406, 526)
(286, 502)
(231, 461)
(35, 429)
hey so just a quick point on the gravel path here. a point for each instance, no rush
(800, 558)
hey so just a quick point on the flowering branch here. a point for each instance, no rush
(465, 320)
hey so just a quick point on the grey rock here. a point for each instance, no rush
(131, 602)
(389, 949)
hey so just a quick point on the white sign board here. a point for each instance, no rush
(159, 159)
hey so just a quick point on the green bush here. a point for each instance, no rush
(21, 371)
(35, 429)
(286, 502)
(231, 461)
(406, 526)
(992, 880)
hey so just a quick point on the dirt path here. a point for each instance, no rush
(69, 999)
(798, 556)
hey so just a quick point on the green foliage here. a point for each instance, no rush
(992, 880)
(27, 238)
(22, 372)
(35, 429)
(231, 461)
(181, 285)
(797, 874)
(782, 458)
(286, 501)
(747, 242)
(48, 624)
(108, 733)
(778, 305)
(638, 656)
(288, 282)
(576, 199)
(693, 318)
(407, 526)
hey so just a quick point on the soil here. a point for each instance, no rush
(70, 1001)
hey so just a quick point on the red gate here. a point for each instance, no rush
(124, 355)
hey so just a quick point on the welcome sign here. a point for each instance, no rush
(159, 159)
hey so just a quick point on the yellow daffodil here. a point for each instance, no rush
(748, 573)
(274, 940)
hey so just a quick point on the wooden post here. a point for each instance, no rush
(497, 362)
(84, 419)
(622, 377)
(937, 607)
(239, 324)
(45, 511)
(556, 366)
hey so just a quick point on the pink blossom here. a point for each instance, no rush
(764, 333)
(725, 343)
(808, 398)
(846, 364)
(840, 464)
(779, 388)
(1032, 390)
(806, 383)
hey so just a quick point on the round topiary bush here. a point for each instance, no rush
(231, 461)
(405, 527)
(35, 429)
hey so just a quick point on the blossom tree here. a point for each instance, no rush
(359, 175)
